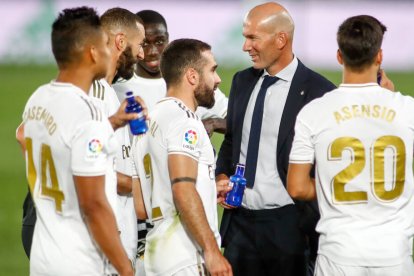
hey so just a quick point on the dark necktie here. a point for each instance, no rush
(255, 129)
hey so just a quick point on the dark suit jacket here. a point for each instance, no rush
(306, 86)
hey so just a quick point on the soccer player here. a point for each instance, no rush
(360, 136)
(126, 35)
(178, 162)
(150, 86)
(69, 147)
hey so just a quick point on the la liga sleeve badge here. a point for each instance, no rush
(190, 139)
(94, 148)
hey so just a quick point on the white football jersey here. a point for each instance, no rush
(153, 90)
(65, 135)
(105, 96)
(174, 129)
(361, 140)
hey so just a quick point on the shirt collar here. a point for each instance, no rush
(288, 72)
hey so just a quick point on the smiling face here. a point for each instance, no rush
(156, 39)
(260, 43)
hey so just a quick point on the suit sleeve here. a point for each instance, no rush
(224, 160)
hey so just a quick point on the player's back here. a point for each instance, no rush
(64, 135)
(363, 137)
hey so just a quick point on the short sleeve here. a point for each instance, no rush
(183, 137)
(302, 151)
(92, 147)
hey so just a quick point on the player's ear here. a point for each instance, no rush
(378, 58)
(281, 40)
(339, 57)
(93, 53)
(192, 76)
(120, 41)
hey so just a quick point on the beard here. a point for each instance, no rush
(126, 64)
(205, 95)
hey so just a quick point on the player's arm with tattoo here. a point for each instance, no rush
(183, 175)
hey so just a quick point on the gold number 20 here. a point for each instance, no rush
(377, 162)
(47, 165)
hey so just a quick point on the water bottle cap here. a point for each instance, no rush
(240, 169)
(129, 94)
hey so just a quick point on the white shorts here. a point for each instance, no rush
(325, 267)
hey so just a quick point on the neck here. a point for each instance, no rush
(280, 64)
(366, 76)
(80, 77)
(145, 74)
(110, 77)
(185, 95)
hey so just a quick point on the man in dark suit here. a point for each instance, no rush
(269, 234)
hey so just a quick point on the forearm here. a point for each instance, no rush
(20, 137)
(124, 184)
(100, 220)
(300, 185)
(139, 205)
(102, 225)
(218, 125)
(192, 214)
(116, 122)
(310, 193)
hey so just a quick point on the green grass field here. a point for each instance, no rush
(17, 83)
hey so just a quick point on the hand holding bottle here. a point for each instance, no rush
(121, 117)
(237, 181)
(222, 186)
(139, 125)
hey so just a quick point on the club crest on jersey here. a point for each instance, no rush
(190, 139)
(94, 148)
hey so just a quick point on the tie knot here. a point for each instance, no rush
(268, 81)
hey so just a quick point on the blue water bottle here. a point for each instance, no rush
(238, 184)
(139, 125)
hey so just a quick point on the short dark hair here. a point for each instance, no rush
(72, 28)
(119, 18)
(359, 40)
(180, 55)
(152, 17)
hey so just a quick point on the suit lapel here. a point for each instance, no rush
(294, 102)
(247, 86)
(245, 91)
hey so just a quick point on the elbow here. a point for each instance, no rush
(141, 213)
(295, 192)
(91, 208)
(296, 187)
(124, 184)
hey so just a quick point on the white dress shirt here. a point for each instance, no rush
(268, 190)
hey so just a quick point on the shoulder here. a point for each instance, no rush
(89, 108)
(98, 89)
(249, 73)
(316, 84)
(173, 110)
(315, 80)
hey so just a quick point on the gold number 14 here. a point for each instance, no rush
(47, 166)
